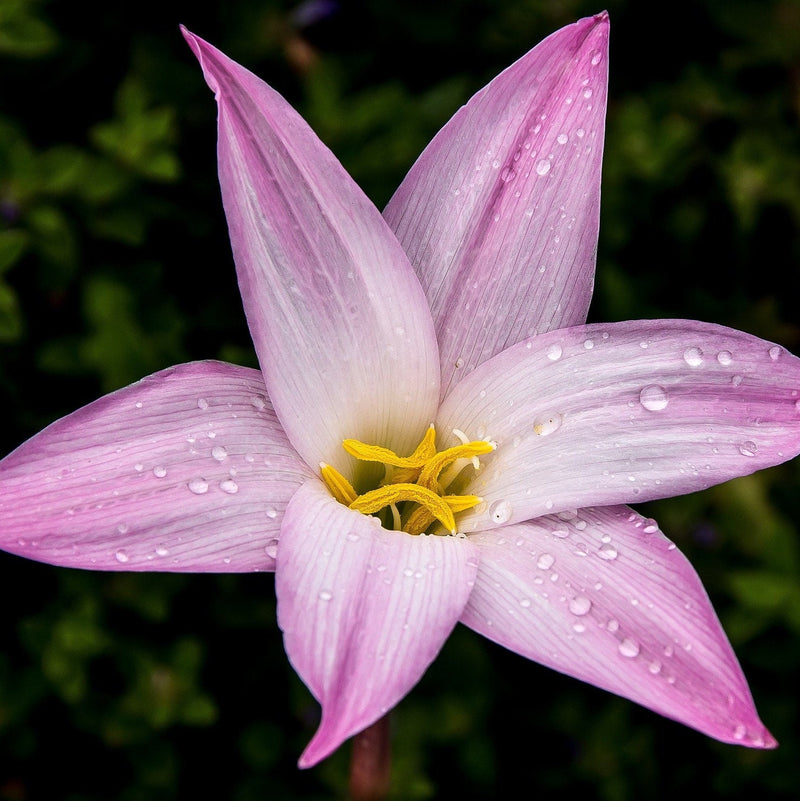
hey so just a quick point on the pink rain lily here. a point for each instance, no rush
(435, 435)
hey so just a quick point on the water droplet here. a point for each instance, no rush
(650, 527)
(271, 549)
(560, 533)
(608, 553)
(740, 732)
(655, 667)
(562, 139)
(219, 453)
(121, 556)
(162, 551)
(508, 174)
(325, 595)
(229, 486)
(545, 561)
(272, 512)
(199, 486)
(629, 647)
(587, 93)
(748, 448)
(525, 602)
(612, 625)
(775, 352)
(588, 344)
(160, 471)
(597, 57)
(724, 357)
(139, 404)
(554, 352)
(580, 605)
(543, 166)
(654, 398)
(202, 403)
(258, 402)
(548, 424)
(500, 511)
(693, 357)
(122, 528)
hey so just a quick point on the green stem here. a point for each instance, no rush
(370, 763)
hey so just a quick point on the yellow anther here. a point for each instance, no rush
(421, 518)
(378, 499)
(339, 486)
(429, 475)
(375, 453)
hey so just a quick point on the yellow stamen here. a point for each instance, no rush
(429, 474)
(339, 486)
(413, 485)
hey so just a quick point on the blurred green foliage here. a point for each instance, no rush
(114, 262)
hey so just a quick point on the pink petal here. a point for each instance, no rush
(363, 610)
(500, 214)
(186, 470)
(602, 595)
(607, 414)
(339, 321)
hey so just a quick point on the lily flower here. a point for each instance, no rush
(435, 435)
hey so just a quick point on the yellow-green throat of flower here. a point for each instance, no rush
(413, 490)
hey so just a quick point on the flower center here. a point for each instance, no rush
(413, 494)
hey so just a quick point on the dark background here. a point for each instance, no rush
(114, 262)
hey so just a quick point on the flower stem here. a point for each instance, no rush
(370, 763)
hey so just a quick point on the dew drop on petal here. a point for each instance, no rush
(198, 486)
(325, 595)
(219, 453)
(543, 166)
(202, 403)
(500, 511)
(580, 605)
(608, 553)
(748, 448)
(629, 647)
(159, 471)
(272, 512)
(229, 486)
(545, 561)
(548, 424)
(271, 549)
(775, 352)
(162, 550)
(693, 357)
(525, 603)
(654, 398)
(554, 352)
(724, 357)
(121, 556)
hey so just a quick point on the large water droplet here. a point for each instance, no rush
(580, 605)
(162, 550)
(748, 448)
(271, 549)
(500, 511)
(654, 398)
(693, 357)
(545, 561)
(724, 357)
(508, 174)
(219, 453)
(543, 166)
(554, 352)
(199, 486)
(775, 352)
(121, 556)
(608, 553)
(229, 486)
(548, 424)
(202, 403)
(629, 647)
(159, 471)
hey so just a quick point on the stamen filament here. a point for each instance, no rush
(339, 486)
